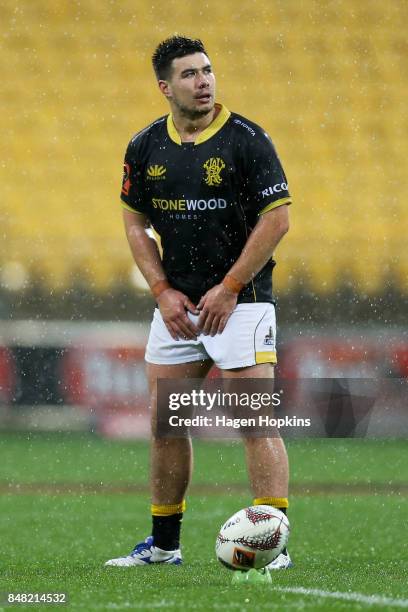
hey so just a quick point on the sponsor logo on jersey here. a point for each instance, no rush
(244, 125)
(269, 339)
(213, 167)
(189, 205)
(275, 189)
(156, 173)
(126, 180)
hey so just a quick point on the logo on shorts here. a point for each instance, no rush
(156, 173)
(213, 167)
(269, 339)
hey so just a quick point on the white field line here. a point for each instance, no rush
(371, 600)
(360, 598)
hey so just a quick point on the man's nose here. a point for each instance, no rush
(203, 81)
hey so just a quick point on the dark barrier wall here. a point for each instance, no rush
(37, 376)
(90, 375)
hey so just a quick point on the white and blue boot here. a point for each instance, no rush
(282, 561)
(146, 553)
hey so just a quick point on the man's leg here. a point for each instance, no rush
(171, 458)
(171, 467)
(266, 458)
(267, 462)
(171, 461)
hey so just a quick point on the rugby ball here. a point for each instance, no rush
(252, 538)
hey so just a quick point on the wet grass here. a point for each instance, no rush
(347, 543)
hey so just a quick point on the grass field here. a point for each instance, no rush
(70, 502)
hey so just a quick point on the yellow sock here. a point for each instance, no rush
(168, 509)
(276, 502)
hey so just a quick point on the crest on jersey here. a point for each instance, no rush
(213, 167)
(156, 172)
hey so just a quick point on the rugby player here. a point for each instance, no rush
(210, 184)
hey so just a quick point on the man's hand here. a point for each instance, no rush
(173, 305)
(216, 307)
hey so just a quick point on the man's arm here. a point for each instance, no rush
(218, 303)
(172, 303)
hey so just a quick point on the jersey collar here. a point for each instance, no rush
(214, 127)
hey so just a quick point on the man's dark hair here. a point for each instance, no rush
(169, 49)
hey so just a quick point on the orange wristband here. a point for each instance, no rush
(232, 284)
(159, 287)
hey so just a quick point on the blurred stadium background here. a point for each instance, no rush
(327, 80)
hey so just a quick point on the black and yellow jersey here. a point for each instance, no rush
(204, 198)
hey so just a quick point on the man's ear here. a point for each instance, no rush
(164, 88)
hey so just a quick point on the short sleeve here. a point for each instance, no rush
(265, 181)
(132, 185)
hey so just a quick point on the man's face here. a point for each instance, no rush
(191, 85)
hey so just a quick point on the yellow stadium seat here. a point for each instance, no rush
(327, 82)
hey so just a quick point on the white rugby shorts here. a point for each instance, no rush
(248, 339)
